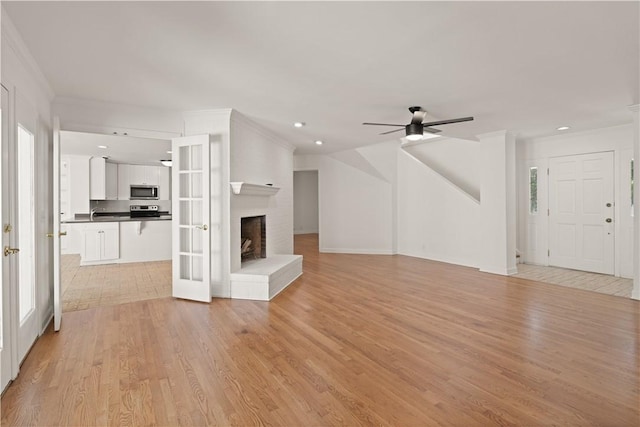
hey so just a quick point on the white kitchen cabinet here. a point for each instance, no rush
(103, 181)
(101, 242)
(164, 185)
(143, 175)
(124, 182)
(74, 186)
(112, 181)
(97, 179)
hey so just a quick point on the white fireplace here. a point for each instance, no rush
(253, 237)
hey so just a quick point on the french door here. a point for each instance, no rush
(581, 212)
(8, 359)
(190, 217)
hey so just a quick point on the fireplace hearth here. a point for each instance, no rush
(253, 238)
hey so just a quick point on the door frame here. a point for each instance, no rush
(540, 257)
(610, 154)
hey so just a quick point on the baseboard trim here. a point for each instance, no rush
(363, 251)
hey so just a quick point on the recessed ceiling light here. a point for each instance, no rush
(563, 128)
(169, 151)
(102, 146)
(318, 142)
(298, 124)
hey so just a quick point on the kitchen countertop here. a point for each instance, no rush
(113, 217)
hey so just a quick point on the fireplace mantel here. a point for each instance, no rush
(247, 189)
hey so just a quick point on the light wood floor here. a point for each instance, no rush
(595, 282)
(357, 340)
(110, 284)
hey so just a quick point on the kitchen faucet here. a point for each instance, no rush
(93, 212)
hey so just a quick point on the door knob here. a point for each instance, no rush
(202, 227)
(608, 220)
(9, 251)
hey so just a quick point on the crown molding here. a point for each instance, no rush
(241, 119)
(12, 37)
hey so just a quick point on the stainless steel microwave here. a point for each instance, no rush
(144, 192)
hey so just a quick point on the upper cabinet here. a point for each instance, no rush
(112, 181)
(74, 186)
(164, 184)
(103, 179)
(124, 192)
(144, 175)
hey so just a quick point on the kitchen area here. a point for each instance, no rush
(115, 208)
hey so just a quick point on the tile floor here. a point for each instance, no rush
(601, 283)
(111, 284)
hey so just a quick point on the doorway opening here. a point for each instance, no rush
(115, 248)
(306, 204)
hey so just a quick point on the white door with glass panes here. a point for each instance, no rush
(581, 212)
(25, 224)
(8, 359)
(191, 251)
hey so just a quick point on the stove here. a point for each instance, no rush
(144, 211)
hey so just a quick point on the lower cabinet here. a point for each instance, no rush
(101, 242)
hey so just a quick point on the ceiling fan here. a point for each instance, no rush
(415, 130)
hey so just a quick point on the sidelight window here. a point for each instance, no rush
(533, 190)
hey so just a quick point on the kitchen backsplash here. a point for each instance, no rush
(123, 205)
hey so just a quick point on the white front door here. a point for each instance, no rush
(581, 212)
(190, 218)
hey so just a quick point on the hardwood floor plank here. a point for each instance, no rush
(357, 340)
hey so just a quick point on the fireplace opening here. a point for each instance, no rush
(253, 238)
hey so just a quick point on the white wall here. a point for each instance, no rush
(379, 199)
(305, 202)
(259, 157)
(436, 219)
(532, 229)
(30, 104)
(454, 159)
(103, 117)
(356, 198)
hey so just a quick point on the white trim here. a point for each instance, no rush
(500, 271)
(451, 261)
(108, 130)
(15, 42)
(363, 251)
(247, 189)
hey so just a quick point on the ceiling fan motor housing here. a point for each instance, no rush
(414, 129)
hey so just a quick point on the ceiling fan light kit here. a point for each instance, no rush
(415, 130)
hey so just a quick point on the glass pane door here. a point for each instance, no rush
(191, 254)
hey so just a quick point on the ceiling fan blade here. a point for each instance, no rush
(391, 131)
(430, 130)
(381, 124)
(446, 122)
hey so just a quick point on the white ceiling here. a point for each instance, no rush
(524, 66)
(120, 149)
